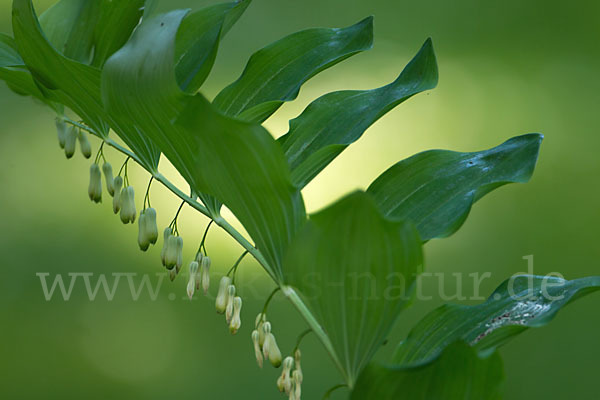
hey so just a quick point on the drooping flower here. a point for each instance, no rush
(118, 184)
(236, 321)
(84, 144)
(95, 186)
(108, 177)
(222, 294)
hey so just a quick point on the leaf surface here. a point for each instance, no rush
(354, 269)
(436, 189)
(459, 373)
(519, 303)
(334, 121)
(275, 74)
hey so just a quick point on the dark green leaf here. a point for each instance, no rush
(16, 75)
(198, 40)
(89, 31)
(79, 84)
(459, 373)
(69, 27)
(276, 73)
(519, 303)
(238, 162)
(436, 189)
(354, 269)
(335, 120)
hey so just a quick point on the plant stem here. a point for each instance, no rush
(288, 291)
(328, 393)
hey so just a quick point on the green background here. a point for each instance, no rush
(506, 68)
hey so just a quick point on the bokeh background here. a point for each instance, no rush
(506, 68)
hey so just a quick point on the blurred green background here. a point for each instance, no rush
(506, 68)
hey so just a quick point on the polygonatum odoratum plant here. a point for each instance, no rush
(122, 69)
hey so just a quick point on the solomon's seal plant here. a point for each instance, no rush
(125, 70)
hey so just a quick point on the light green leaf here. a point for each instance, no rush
(237, 162)
(459, 373)
(436, 189)
(354, 269)
(198, 40)
(335, 120)
(519, 303)
(275, 74)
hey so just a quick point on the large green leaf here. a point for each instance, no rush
(275, 74)
(16, 75)
(519, 303)
(198, 41)
(436, 189)
(335, 120)
(238, 162)
(459, 373)
(354, 269)
(74, 84)
(89, 31)
(69, 26)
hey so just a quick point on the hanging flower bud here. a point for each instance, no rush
(298, 370)
(297, 384)
(229, 306)
(171, 253)
(258, 323)
(70, 141)
(274, 352)
(257, 350)
(108, 177)
(191, 286)
(151, 227)
(205, 274)
(118, 184)
(61, 130)
(95, 186)
(142, 234)
(128, 205)
(236, 320)
(284, 383)
(179, 251)
(270, 349)
(165, 248)
(221, 301)
(84, 144)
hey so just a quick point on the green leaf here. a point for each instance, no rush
(519, 303)
(335, 120)
(16, 75)
(90, 31)
(275, 74)
(198, 40)
(69, 27)
(237, 162)
(354, 269)
(459, 373)
(78, 83)
(436, 189)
